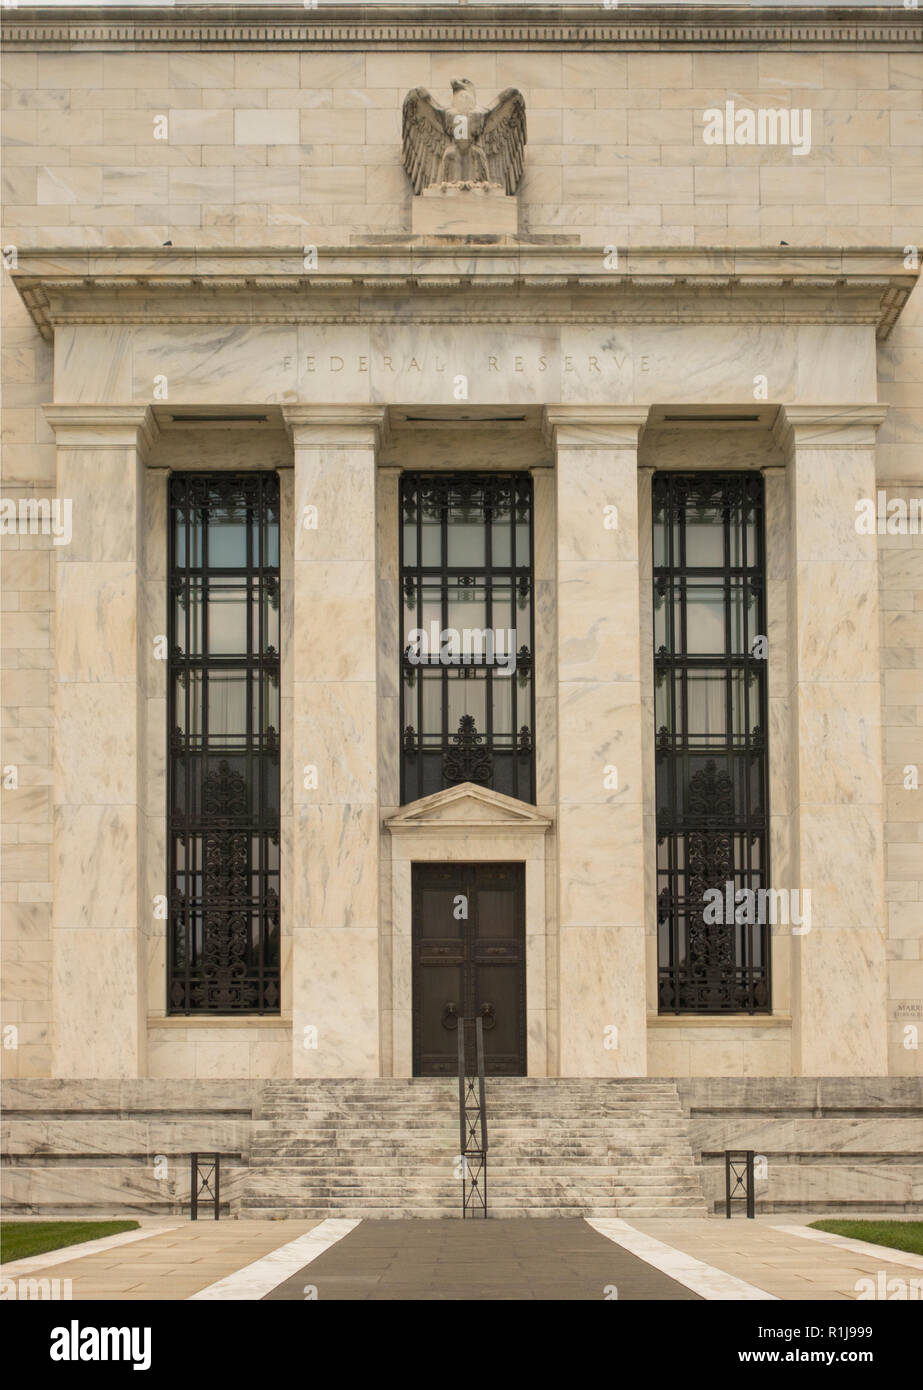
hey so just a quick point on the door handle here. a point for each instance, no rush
(450, 1016)
(488, 1015)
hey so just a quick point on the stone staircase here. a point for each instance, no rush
(557, 1147)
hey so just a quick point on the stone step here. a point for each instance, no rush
(388, 1148)
(553, 1125)
(496, 1211)
(432, 1213)
(310, 1168)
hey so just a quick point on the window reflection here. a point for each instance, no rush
(466, 572)
(710, 706)
(223, 794)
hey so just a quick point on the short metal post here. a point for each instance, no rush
(194, 1188)
(727, 1183)
(751, 1195)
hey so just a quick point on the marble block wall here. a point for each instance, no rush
(103, 1148)
(290, 148)
(831, 1144)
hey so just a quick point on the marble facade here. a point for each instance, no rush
(400, 351)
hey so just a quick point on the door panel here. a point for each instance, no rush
(469, 958)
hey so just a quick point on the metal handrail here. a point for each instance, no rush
(472, 1122)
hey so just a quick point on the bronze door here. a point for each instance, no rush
(469, 958)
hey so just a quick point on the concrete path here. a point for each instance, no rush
(782, 1260)
(528, 1259)
(549, 1259)
(174, 1264)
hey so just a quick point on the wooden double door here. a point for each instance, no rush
(469, 959)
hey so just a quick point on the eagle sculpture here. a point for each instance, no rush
(464, 143)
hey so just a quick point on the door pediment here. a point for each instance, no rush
(470, 808)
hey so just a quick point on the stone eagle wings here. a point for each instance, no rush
(463, 142)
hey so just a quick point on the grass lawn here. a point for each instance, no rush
(19, 1239)
(900, 1235)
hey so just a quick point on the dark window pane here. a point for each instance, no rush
(704, 537)
(710, 703)
(464, 717)
(223, 794)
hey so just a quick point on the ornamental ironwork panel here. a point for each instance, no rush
(467, 699)
(223, 730)
(710, 700)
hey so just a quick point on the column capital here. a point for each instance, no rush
(827, 426)
(337, 425)
(93, 426)
(578, 426)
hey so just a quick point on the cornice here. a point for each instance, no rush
(404, 283)
(468, 26)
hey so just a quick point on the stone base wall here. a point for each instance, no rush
(122, 1147)
(828, 1144)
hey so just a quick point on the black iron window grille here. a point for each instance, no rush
(710, 702)
(467, 700)
(223, 722)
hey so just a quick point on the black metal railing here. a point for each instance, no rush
(738, 1180)
(205, 1182)
(472, 1122)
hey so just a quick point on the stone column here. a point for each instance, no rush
(839, 972)
(99, 906)
(600, 794)
(389, 611)
(648, 727)
(335, 970)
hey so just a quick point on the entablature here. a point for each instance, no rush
(456, 280)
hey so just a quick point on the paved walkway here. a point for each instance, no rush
(769, 1253)
(485, 1260)
(174, 1264)
(555, 1259)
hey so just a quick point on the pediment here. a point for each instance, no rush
(468, 807)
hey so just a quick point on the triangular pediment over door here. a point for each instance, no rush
(468, 807)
